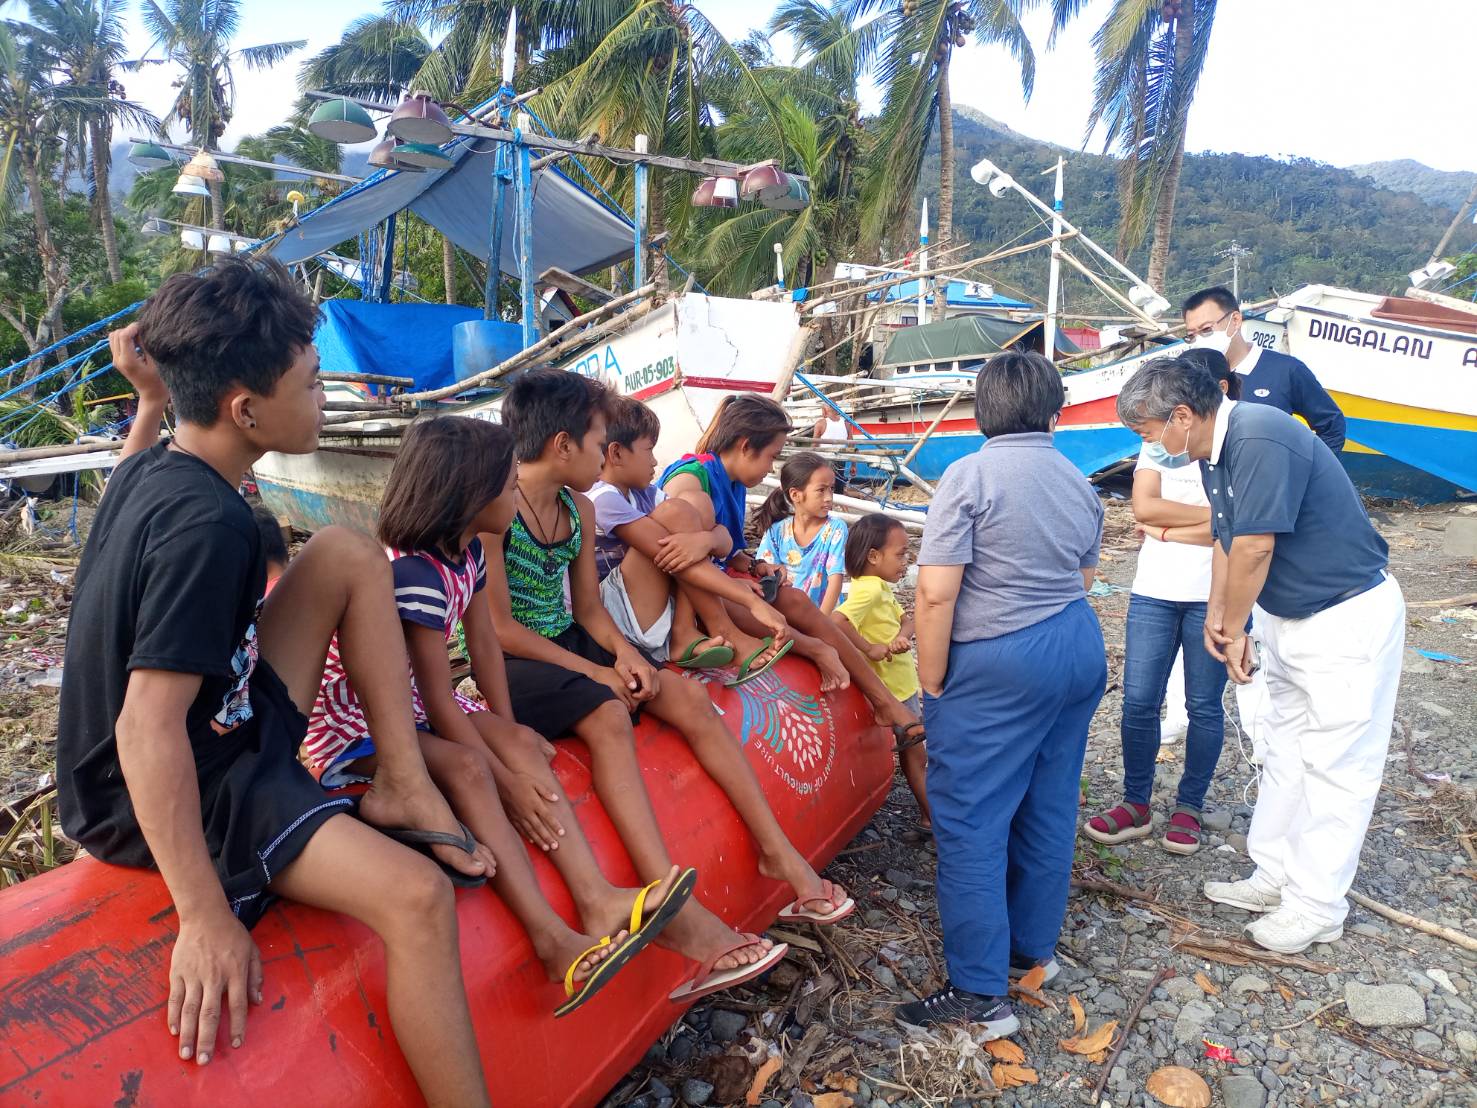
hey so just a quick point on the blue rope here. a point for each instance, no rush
(828, 402)
(89, 329)
(54, 370)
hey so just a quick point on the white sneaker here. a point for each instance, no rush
(1248, 895)
(1173, 731)
(1288, 931)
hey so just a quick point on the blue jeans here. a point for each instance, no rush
(1156, 631)
(1005, 747)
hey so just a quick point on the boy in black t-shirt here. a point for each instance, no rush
(185, 695)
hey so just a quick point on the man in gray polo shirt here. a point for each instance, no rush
(1292, 543)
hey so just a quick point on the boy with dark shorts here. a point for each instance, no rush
(572, 672)
(185, 695)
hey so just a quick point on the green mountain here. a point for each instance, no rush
(1439, 186)
(1304, 221)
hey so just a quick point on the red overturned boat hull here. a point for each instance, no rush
(84, 950)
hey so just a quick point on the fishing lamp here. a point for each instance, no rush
(795, 196)
(765, 183)
(419, 119)
(219, 244)
(985, 172)
(190, 186)
(716, 192)
(341, 121)
(192, 240)
(1146, 300)
(202, 165)
(420, 155)
(383, 157)
(149, 155)
(1431, 275)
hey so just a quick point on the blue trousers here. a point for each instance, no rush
(1156, 631)
(1005, 746)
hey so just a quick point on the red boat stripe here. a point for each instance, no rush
(727, 384)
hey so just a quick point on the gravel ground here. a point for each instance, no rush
(1384, 1017)
(1293, 1030)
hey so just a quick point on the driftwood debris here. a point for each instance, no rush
(1415, 923)
(1165, 972)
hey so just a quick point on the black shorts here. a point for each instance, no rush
(551, 699)
(258, 803)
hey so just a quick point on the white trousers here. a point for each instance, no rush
(1331, 685)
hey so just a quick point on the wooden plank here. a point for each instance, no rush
(565, 281)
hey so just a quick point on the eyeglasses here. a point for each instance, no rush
(1207, 329)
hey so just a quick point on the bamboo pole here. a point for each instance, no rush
(1415, 923)
(367, 378)
(1110, 292)
(563, 334)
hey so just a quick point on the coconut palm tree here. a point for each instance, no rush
(197, 37)
(1150, 54)
(37, 113)
(912, 67)
(377, 58)
(85, 41)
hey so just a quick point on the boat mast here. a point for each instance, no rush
(923, 265)
(1054, 279)
(495, 210)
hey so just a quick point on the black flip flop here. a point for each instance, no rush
(422, 841)
(902, 733)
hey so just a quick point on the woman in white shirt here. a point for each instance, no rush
(1166, 613)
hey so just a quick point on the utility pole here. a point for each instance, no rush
(1235, 252)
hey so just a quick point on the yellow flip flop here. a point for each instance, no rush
(642, 932)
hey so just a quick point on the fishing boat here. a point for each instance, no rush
(1404, 371)
(85, 948)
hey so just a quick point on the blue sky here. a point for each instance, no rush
(1342, 81)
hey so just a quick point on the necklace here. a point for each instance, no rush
(545, 534)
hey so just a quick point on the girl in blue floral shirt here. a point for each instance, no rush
(801, 536)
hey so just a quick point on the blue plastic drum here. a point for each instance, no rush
(479, 344)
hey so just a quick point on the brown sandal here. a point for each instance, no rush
(1194, 833)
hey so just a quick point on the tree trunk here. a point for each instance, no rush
(100, 158)
(448, 269)
(946, 151)
(1184, 41)
(217, 206)
(1164, 218)
(53, 271)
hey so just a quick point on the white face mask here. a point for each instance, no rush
(1219, 341)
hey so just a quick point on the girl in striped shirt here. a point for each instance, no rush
(452, 478)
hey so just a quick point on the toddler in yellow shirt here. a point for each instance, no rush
(876, 559)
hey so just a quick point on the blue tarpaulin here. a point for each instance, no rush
(402, 340)
(572, 230)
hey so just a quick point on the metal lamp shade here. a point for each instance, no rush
(219, 244)
(795, 197)
(192, 240)
(149, 155)
(765, 183)
(341, 121)
(189, 185)
(420, 155)
(202, 165)
(716, 192)
(419, 119)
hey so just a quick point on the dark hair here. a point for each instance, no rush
(1163, 385)
(1218, 295)
(628, 420)
(274, 549)
(239, 322)
(1215, 363)
(448, 468)
(1017, 393)
(744, 417)
(795, 474)
(544, 402)
(866, 535)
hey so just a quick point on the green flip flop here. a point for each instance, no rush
(746, 673)
(714, 657)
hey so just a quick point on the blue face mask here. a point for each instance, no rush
(1159, 454)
